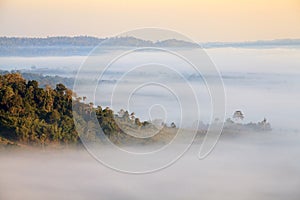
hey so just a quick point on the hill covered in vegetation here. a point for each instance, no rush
(39, 116)
(82, 45)
(79, 45)
(44, 116)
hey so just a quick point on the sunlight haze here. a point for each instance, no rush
(202, 20)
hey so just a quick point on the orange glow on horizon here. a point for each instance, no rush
(203, 20)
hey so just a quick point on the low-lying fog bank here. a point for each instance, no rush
(249, 166)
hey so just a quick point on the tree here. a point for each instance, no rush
(36, 115)
(121, 113)
(264, 124)
(137, 122)
(132, 117)
(238, 115)
(173, 125)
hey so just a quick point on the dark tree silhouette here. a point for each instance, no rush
(238, 115)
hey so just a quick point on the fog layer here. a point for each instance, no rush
(252, 166)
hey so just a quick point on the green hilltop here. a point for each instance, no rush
(43, 116)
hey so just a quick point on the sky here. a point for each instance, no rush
(201, 20)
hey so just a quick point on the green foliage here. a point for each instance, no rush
(33, 115)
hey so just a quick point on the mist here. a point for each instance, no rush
(263, 83)
(269, 75)
(244, 166)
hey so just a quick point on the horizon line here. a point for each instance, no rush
(103, 38)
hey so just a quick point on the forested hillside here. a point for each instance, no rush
(30, 114)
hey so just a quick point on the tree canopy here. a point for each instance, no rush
(34, 115)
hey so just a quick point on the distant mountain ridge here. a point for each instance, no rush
(82, 45)
(88, 41)
(76, 46)
(129, 41)
(50, 41)
(258, 43)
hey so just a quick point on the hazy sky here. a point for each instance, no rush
(202, 20)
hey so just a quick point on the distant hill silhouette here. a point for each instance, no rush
(82, 45)
(72, 46)
(87, 41)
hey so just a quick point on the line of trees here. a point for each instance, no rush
(31, 114)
